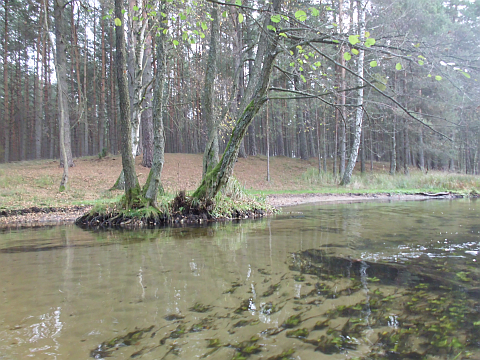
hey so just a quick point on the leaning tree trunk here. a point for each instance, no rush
(132, 189)
(216, 179)
(210, 156)
(153, 185)
(359, 113)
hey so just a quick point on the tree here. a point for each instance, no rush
(153, 185)
(359, 111)
(217, 178)
(210, 156)
(132, 188)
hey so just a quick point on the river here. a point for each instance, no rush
(276, 288)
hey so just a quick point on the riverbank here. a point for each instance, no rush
(38, 217)
(29, 190)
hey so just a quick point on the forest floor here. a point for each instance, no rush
(29, 190)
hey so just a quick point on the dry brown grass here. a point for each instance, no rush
(35, 183)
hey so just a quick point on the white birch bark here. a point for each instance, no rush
(359, 113)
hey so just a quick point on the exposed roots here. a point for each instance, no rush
(181, 211)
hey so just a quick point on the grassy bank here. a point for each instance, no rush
(35, 183)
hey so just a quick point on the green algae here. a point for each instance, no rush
(200, 308)
(292, 321)
(298, 333)
(271, 289)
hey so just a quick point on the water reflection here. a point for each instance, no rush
(65, 292)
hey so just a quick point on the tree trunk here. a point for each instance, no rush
(210, 156)
(136, 54)
(153, 185)
(216, 179)
(6, 103)
(60, 59)
(38, 101)
(406, 148)
(147, 114)
(342, 117)
(359, 113)
(102, 112)
(393, 155)
(131, 183)
(362, 155)
(299, 106)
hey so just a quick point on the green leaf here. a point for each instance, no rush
(417, 45)
(353, 39)
(202, 35)
(292, 64)
(300, 68)
(421, 57)
(429, 75)
(336, 41)
(301, 15)
(110, 11)
(175, 42)
(347, 56)
(135, 8)
(240, 18)
(420, 62)
(224, 14)
(272, 28)
(398, 66)
(183, 16)
(438, 78)
(314, 11)
(238, 2)
(355, 52)
(106, 17)
(367, 34)
(135, 18)
(283, 34)
(369, 42)
(276, 18)
(373, 63)
(153, 13)
(124, 11)
(204, 26)
(303, 78)
(467, 75)
(318, 64)
(328, 8)
(184, 35)
(118, 22)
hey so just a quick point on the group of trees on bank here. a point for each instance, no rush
(347, 80)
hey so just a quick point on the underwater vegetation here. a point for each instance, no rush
(423, 308)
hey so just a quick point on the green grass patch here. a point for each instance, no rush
(9, 181)
(45, 181)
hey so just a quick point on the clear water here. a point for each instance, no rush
(64, 291)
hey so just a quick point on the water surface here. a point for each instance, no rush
(187, 293)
